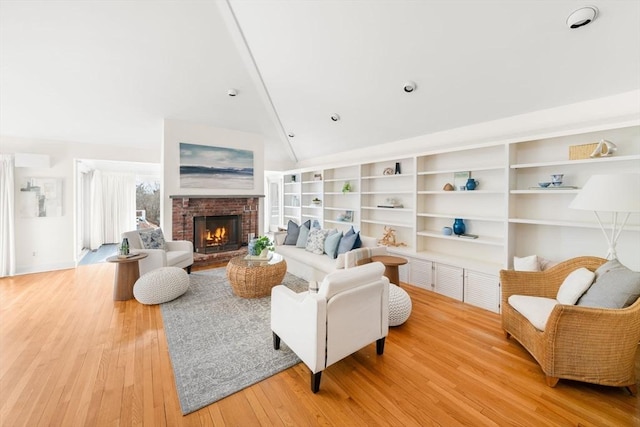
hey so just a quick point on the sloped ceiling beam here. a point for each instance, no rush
(245, 53)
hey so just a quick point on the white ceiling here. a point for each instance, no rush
(109, 72)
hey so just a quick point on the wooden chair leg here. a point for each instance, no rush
(552, 381)
(507, 335)
(315, 381)
(632, 389)
(276, 341)
(380, 346)
(189, 269)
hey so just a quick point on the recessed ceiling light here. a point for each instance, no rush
(409, 87)
(335, 117)
(581, 17)
(232, 92)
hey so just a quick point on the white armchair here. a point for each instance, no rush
(349, 311)
(177, 253)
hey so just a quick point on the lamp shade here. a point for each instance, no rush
(610, 193)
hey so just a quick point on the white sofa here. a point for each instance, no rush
(312, 267)
(178, 253)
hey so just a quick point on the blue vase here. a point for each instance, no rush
(471, 184)
(251, 246)
(458, 226)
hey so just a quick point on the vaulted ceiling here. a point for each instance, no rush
(110, 72)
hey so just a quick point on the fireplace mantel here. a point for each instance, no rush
(216, 196)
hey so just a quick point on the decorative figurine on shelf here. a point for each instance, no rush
(397, 168)
(448, 187)
(293, 178)
(604, 149)
(316, 201)
(389, 238)
(458, 226)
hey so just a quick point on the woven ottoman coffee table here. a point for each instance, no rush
(251, 278)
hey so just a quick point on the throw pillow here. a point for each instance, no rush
(331, 244)
(293, 230)
(615, 287)
(535, 309)
(302, 237)
(574, 285)
(347, 242)
(529, 263)
(315, 241)
(153, 239)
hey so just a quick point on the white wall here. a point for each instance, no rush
(175, 132)
(44, 244)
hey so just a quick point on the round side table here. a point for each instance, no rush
(391, 264)
(251, 278)
(127, 272)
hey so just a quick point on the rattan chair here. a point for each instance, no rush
(579, 343)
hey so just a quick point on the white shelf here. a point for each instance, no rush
(389, 223)
(355, 178)
(333, 221)
(466, 217)
(449, 171)
(482, 240)
(400, 175)
(386, 209)
(543, 191)
(291, 207)
(340, 193)
(569, 224)
(386, 192)
(336, 208)
(575, 162)
(461, 192)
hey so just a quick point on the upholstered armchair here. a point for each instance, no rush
(349, 311)
(582, 343)
(177, 253)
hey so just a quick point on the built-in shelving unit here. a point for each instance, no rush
(508, 211)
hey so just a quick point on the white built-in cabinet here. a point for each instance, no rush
(508, 212)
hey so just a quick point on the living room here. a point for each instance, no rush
(560, 85)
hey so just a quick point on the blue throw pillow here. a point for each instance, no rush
(293, 230)
(347, 242)
(358, 243)
(331, 244)
(153, 239)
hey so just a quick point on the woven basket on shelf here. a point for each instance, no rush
(578, 152)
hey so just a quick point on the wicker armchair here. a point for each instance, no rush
(579, 343)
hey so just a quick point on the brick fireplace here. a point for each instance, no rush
(186, 208)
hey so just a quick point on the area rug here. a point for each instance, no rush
(220, 343)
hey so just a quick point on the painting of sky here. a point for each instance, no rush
(204, 166)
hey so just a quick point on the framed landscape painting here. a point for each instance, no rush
(204, 166)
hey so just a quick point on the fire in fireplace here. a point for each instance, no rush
(216, 233)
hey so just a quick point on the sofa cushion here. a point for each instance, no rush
(293, 231)
(535, 309)
(574, 285)
(152, 239)
(315, 241)
(615, 287)
(331, 244)
(318, 262)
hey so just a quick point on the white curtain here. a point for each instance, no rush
(7, 226)
(113, 206)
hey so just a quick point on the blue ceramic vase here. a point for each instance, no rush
(458, 226)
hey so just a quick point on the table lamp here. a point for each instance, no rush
(618, 194)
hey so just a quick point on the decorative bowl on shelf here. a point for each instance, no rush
(544, 184)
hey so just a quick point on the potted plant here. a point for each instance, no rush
(346, 187)
(260, 245)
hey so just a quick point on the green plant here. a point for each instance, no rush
(261, 244)
(346, 187)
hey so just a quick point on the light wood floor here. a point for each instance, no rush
(71, 356)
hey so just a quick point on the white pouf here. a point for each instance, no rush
(399, 305)
(161, 285)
